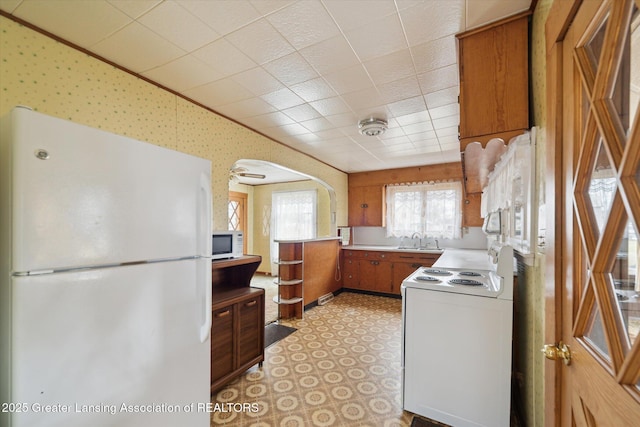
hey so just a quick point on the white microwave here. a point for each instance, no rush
(227, 244)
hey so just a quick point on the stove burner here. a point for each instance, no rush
(469, 274)
(466, 282)
(427, 279)
(436, 272)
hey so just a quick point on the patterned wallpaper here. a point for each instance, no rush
(55, 79)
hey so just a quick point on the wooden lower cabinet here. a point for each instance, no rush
(237, 319)
(237, 336)
(378, 271)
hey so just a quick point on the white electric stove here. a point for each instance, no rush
(457, 330)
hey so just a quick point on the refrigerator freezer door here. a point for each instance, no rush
(109, 343)
(84, 197)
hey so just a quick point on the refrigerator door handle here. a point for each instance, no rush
(204, 249)
(204, 216)
(205, 329)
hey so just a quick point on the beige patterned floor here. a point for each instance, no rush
(340, 368)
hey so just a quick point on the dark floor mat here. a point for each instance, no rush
(422, 422)
(274, 333)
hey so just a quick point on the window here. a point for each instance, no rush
(431, 209)
(294, 215)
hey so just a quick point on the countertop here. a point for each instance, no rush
(472, 259)
(391, 249)
(318, 239)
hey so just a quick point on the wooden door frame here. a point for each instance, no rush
(560, 17)
(244, 220)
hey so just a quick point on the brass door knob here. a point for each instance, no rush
(559, 351)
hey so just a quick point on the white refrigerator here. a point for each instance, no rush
(105, 292)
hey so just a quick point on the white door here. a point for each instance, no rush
(98, 342)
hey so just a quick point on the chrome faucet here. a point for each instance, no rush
(413, 236)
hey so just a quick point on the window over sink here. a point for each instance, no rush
(433, 210)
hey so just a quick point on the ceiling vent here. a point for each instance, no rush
(372, 126)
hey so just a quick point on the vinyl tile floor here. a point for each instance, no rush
(340, 368)
(266, 282)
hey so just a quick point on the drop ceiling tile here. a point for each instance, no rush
(177, 25)
(429, 135)
(283, 99)
(452, 109)
(426, 21)
(81, 23)
(135, 9)
(258, 81)
(351, 14)
(294, 129)
(442, 97)
(304, 23)
(435, 54)
(407, 106)
(392, 132)
(267, 7)
(330, 55)
(246, 108)
(439, 78)
(330, 106)
(399, 89)
(363, 99)
(183, 73)
(446, 122)
(446, 132)
(399, 140)
(394, 66)
(220, 92)
(318, 124)
(408, 119)
(224, 57)
(379, 38)
(347, 119)
(314, 90)
(302, 112)
(145, 49)
(224, 16)
(291, 69)
(260, 41)
(419, 128)
(349, 79)
(268, 120)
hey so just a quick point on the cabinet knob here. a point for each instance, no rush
(364, 205)
(251, 303)
(223, 313)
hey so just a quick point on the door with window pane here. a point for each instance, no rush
(599, 297)
(238, 215)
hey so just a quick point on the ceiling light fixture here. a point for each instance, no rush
(372, 126)
(236, 172)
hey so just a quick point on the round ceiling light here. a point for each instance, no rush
(372, 127)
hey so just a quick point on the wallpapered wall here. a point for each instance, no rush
(57, 80)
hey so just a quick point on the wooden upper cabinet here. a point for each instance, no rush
(366, 206)
(494, 73)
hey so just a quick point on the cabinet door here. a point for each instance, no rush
(384, 276)
(250, 325)
(494, 94)
(400, 272)
(366, 206)
(222, 343)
